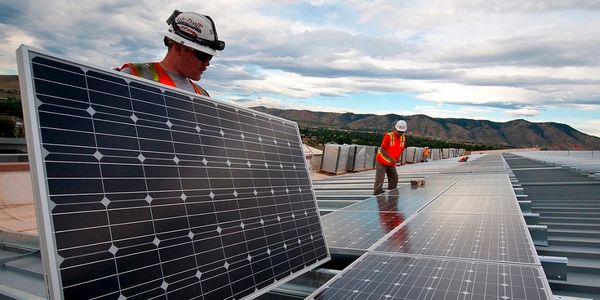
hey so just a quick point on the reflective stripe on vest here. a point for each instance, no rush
(199, 90)
(155, 72)
(392, 139)
(402, 139)
(385, 156)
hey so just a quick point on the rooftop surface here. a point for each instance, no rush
(356, 223)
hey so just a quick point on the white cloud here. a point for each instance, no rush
(591, 127)
(584, 107)
(438, 111)
(461, 94)
(278, 103)
(523, 112)
(294, 85)
(515, 54)
(10, 39)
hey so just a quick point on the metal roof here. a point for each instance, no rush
(569, 204)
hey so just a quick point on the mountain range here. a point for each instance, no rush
(512, 134)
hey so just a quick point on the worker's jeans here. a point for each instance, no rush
(380, 171)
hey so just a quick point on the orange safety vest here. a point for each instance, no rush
(154, 71)
(426, 152)
(391, 148)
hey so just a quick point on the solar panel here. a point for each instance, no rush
(146, 192)
(405, 199)
(501, 238)
(360, 225)
(402, 200)
(474, 205)
(387, 276)
(481, 190)
(358, 230)
(488, 179)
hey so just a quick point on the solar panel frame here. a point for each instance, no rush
(39, 164)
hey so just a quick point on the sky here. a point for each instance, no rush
(477, 59)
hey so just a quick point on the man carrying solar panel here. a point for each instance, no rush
(192, 41)
(388, 155)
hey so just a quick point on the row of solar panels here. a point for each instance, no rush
(339, 159)
(461, 236)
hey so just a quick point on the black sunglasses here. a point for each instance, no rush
(216, 44)
(203, 56)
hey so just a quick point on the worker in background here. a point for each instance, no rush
(388, 155)
(426, 153)
(192, 41)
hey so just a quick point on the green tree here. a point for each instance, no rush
(318, 136)
(11, 107)
(7, 127)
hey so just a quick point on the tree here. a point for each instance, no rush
(11, 107)
(7, 126)
(319, 136)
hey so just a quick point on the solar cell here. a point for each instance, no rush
(144, 191)
(500, 238)
(386, 276)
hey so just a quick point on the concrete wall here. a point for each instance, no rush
(15, 184)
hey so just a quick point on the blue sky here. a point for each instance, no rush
(494, 60)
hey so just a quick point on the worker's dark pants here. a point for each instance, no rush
(380, 171)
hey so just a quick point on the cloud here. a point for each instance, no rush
(588, 126)
(10, 39)
(572, 47)
(452, 112)
(584, 107)
(523, 112)
(509, 54)
(100, 33)
(527, 6)
(278, 103)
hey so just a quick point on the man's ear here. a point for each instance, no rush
(178, 48)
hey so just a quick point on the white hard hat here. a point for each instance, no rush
(195, 31)
(401, 126)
